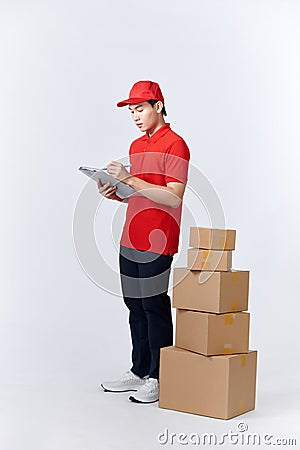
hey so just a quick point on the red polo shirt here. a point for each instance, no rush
(159, 159)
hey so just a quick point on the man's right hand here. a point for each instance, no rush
(107, 191)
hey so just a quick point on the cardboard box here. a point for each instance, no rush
(212, 334)
(216, 292)
(212, 238)
(215, 386)
(212, 260)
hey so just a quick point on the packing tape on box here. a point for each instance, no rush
(234, 276)
(206, 254)
(234, 304)
(243, 360)
(229, 319)
(228, 349)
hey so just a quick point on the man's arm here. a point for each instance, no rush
(170, 195)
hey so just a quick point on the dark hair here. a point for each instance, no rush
(152, 103)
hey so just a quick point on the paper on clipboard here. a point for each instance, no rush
(123, 190)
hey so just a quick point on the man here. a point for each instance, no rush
(159, 167)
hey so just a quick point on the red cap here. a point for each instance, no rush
(142, 91)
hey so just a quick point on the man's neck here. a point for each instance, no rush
(160, 124)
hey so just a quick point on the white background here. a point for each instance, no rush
(230, 72)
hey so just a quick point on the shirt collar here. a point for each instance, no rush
(158, 134)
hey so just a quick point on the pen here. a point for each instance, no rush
(125, 165)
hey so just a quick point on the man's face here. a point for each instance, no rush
(145, 116)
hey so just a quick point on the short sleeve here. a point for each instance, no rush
(177, 162)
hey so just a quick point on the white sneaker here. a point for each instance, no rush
(147, 393)
(128, 382)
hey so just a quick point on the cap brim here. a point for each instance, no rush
(132, 101)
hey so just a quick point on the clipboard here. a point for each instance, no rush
(123, 190)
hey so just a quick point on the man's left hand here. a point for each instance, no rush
(117, 170)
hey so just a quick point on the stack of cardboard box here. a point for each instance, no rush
(210, 370)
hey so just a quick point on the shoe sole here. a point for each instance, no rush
(135, 400)
(109, 390)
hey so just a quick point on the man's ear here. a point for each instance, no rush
(159, 106)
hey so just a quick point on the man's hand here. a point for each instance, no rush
(107, 191)
(117, 170)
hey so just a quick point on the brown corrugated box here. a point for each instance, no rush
(214, 260)
(221, 292)
(215, 386)
(212, 238)
(212, 334)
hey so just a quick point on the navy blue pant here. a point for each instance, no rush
(144, 281)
